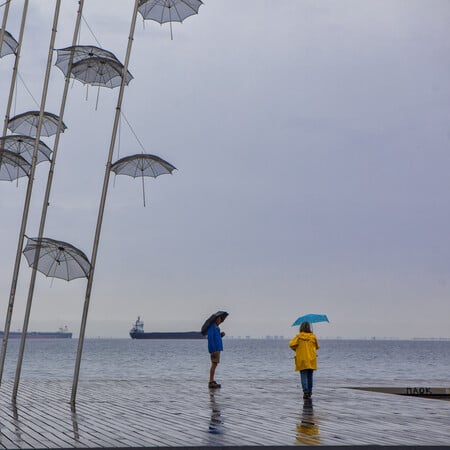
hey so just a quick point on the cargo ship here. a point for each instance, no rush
(62, 333)
(137, 332)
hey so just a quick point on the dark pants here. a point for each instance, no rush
(306, 377)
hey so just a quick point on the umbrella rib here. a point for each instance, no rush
(166, 2)
(61, 259)
(11, 163)
(137, 171)
(7, 168)
(152, 168)
(190, 6)
(52, 265)
(176, 10)
(43, 251)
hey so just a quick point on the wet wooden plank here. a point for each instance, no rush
(137, 413)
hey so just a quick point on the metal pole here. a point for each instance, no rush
(15, 68)
(45, 206)
(2, 34)
(102, 207)
(28, 195)
(5, 19)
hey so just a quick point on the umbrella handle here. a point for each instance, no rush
(143, 190)
(170, 21)
(98, 95)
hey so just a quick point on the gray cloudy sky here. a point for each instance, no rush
(312, 141)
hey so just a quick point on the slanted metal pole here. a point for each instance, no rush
(2, 35)
(5, 19)
(102, 207)
(15, 68)
(45, 206)
(11, 95)
(28, 195)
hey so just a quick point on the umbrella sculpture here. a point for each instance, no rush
(211, 319)
(9, 45)
(80, 52)
(45, 207)
(24, 146)
(57, 259)
(13, 166)
(97, 71)
(311, 318)
(163, 11)
(28, 194)
(27, 123)
(142, 165)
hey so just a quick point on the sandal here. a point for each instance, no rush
(213, 385)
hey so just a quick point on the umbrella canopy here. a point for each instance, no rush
(27, 123)
(211, 319)
(24, 146)
(99, 71)
(57, 259)
(80, 52)
(142, 165)
(311, 318)
(9, 45)
(13, 166)
(163, 11)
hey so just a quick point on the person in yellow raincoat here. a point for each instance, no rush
(305, 345)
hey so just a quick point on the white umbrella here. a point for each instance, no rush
(9, 45)
(56, 259)
(142, 165)
(163, 11)
(27, 123)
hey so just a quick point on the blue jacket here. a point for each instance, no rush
(214, 339)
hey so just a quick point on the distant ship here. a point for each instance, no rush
(62, 333)
(137, 332)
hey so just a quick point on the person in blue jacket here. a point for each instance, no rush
(215, 346)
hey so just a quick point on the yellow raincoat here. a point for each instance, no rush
(305, 346)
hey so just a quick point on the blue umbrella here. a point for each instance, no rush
(311, 318)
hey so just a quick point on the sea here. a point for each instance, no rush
(341, 362)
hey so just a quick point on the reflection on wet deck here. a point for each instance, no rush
(150, 413)
(308, 427)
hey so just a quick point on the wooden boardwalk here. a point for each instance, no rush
(148, 413)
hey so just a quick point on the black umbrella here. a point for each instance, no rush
(211, 319)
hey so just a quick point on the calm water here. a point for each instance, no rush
(341, 362)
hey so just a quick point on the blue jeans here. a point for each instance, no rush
(306, 377)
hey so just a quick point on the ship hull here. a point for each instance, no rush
(38, 335)
(167, 335)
